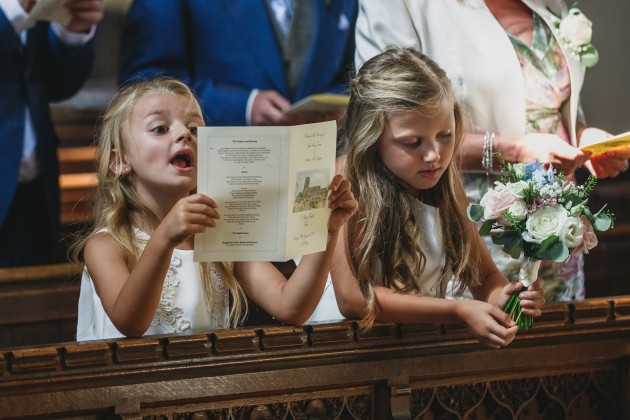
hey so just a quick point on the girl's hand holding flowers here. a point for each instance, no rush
(532, 298)
(487, 323)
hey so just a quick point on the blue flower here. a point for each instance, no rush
(551, 174)
(531, 168)
(540, 177)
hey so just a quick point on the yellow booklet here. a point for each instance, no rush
(621, 141)
(319, 103)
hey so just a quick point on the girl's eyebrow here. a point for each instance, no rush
(160, 112)
(194, 114)
(154, 112)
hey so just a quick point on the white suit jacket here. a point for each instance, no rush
(466, 40)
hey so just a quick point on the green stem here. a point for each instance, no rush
(515, 311)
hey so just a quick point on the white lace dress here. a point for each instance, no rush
(182, 309)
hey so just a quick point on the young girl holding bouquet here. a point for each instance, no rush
(411, 235)
(139, 275)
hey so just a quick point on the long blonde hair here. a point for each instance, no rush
(115, 199)
(384, 231)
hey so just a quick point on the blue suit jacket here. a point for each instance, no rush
(44, 70)
(225, 48)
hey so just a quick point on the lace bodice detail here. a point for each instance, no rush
(171, 317)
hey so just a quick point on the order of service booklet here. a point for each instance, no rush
(620, 141)
(271, 187)
(319, 103)
(50, 10)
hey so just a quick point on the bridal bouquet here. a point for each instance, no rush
(538, 213)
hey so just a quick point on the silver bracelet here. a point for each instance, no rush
(487, 155)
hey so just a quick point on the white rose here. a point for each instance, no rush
(518, 210)
(518, 187)
(576, 28)
(544, 222)
(519, 170)
(498, 186)
(572, 232)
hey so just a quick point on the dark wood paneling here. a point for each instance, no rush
(572, 364)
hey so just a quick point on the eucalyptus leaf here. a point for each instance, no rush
(516, 250)
(512, 242)
(485, 227)
(552, 249)
(475, 212)
(602, 222)
(506, 236)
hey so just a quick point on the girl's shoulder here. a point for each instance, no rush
(99, 237)
(99, 243)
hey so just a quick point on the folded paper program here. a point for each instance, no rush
(621, 141)
(319, 103)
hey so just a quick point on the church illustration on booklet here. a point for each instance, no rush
(310, 197)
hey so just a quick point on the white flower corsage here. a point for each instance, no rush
(574, 33)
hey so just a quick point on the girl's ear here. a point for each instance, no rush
(118, 163)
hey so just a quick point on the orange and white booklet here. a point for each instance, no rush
(319, 103)
(621, 141)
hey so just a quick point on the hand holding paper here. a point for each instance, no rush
(342, 203)
(609, 154)
(74, 15)
(271, 186)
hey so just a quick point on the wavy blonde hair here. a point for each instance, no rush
(116, 201)
(384, 231)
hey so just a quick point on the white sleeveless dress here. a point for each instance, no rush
(432, 245)
(183, 305)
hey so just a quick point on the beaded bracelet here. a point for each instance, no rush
(487, 155)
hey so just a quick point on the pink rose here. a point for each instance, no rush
(496, 203)
(589, 238)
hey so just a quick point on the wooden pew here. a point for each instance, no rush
(574, 363)
(38, 304)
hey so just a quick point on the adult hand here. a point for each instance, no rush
(269, 107)
(27, 5)
(85, 14)
(342, 203)
(550, 148)
(190, 215)
(608, 164)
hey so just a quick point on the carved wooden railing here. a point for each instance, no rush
(574, 363)
(38, 304)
